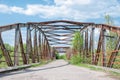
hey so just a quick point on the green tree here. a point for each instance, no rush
(76, 59)
(77, 41)
(108, 20)
(7, 46)
(110, 41)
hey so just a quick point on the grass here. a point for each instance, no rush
(95, 68)
(89, 66)
(40, 64)
(114, 74)
(15, 68)
(76, 59)
(3, 65)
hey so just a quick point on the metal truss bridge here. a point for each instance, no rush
(40, 37)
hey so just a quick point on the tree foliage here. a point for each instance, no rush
(109, 19)
(110, 41)
(76, 59)
(77, 41)
(77, 44)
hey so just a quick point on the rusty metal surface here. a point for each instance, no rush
(98, 47)
(16, 54)
(57, 21)
(104, 55)
(22, 49)
(114, 54)
(5, 53)
(86, 43)
(35, 46)
(48, 33)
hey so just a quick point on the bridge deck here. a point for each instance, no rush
(56, 70)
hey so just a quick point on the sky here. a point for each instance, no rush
(22, 11)
(13, 11)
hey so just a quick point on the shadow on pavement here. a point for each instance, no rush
(29, 70)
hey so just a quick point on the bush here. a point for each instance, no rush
(76, 59)
(63, 57)
(58, 56)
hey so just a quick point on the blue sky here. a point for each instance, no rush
(15, 11)
(12, 11)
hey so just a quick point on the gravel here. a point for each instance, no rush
(56, 70)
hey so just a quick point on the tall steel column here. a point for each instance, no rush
(16, 54)
(104, 47)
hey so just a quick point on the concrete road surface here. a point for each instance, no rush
(56, 70)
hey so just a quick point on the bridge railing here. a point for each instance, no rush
(38, 47)
(95, 44)
(33, 50)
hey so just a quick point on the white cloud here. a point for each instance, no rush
(17, 9)
(68, 9)
(4, 8)
(71, 2)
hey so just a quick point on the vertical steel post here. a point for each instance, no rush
(45, 48)
(104, 47)
(35, 44)
(41, 46)
(49, 53)
(92, 45)
(86, 43)
(84, 46)
(39, 40)
(16, 55)
(37, 47)
(29, 51)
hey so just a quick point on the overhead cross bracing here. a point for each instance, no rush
(59, 34)
(42, 36)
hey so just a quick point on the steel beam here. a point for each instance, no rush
(6, 54)
(92, 45)
(86, 43)
(114, 54)
(66, 28)
(48, 35)
(16, 47)
(29, 51)
(39, 45)
(22, 48)
(42, 46)
(35, 45)
(99, 47)
(11, 26)
(64, 21)
(104, 48)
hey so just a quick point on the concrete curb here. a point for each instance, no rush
(9, 69)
